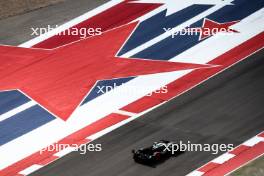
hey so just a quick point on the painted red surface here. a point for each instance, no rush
(208, 167)
(118, 15)
(239, 150)
(61, 78)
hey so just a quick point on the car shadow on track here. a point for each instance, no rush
(158, 162)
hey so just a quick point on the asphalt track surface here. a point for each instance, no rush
(225, 109)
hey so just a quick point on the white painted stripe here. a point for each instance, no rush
(253, 141)
(126, 113)
(176, 28)
(195, 173)
(223, 158)
(71, 23)
(30, 169)
(65, 151)
(17, 110)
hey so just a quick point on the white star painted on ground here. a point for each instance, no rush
(178, 5)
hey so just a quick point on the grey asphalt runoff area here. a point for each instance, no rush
(17, 29)
(226, 109)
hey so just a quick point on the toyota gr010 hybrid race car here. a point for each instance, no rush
(158, 152)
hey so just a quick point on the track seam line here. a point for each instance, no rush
(126, 113)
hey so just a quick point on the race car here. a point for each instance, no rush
(158, 152)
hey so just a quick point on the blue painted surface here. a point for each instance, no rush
(23, 123)
(154, 26)
(10, 100)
